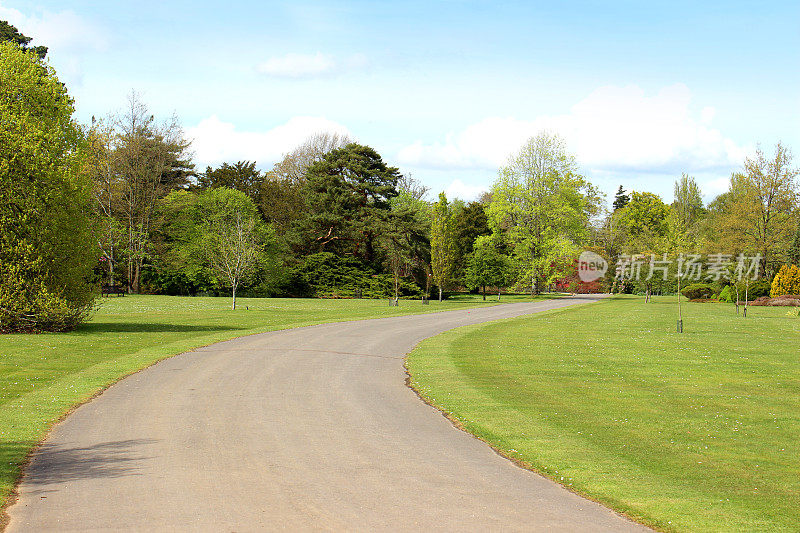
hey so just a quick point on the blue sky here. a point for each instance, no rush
(641, 91)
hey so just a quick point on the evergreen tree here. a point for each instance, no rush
(9, 33)
(621, 199)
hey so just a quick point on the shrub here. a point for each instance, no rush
(329, 275)
(727, 294)
(758, 289)
(698, 290)
(787, 281)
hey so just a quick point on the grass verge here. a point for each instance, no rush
(692, 432)
(43, 376)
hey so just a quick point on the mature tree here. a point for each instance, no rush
(410, 206)
(794, 250)
(241, 176)
(144, 151)
(645, 222)
(685, 215)
(9, 33)
(542, 207)
(443, 249)
(397, 244)
(106, 189)
(487, 266)
(469, 223)
(621, 199)
(235, 238)
(348, 196)
(294, 165)
(759, 214)
(47, 247)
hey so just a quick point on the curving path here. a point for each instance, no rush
(303, 429)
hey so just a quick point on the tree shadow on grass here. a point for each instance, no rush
(54, 463)
(138, 327)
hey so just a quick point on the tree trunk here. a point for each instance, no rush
(498, 294)
(440, 293)
(484, 293)
(233, 303)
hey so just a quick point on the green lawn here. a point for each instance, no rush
(692, 432)
(43, 376)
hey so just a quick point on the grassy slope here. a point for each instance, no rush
(43, 376)
(694, 432)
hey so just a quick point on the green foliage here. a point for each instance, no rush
(644, 221)
(443, 250)
(47, 245)
(242, 176)
(9, 33)
(727, 295)
(469, 222)
(541, 207)
(192, 228)
(787, 281)
(487, 266)
(348, 195)
(698, 290)
(621, 199)
(328, 275)
(757, 289)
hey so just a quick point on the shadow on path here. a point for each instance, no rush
(54, 464)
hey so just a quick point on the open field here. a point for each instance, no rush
(692, 432)
(42, 376)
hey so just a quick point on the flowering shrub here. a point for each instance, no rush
(787, 281)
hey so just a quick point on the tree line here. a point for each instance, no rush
(119, 204)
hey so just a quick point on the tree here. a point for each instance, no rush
(47, 245)
(469, 223)
(759, 213)
(396, 243)
(294, 165)
(234, 238)
(621, 199)
(442, 243)
(9, 33)
(645, 222)
(241, 176)
(542, 208)
(348, 195)
(794, 250)
(144, 151)
(685, 213)
(486, 266)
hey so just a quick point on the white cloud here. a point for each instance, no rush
(61, 31)
(216, 141)
(613, 129)
(309, 65)
(467, 192)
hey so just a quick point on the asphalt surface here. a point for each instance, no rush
(304, 429)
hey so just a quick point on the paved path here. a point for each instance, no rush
(303, 429)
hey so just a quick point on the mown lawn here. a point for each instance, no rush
(43, 376)
(692, 432)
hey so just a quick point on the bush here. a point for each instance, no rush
(328, 275)
(787, 281)
(728, 294)
(698, 290)
(758, 289)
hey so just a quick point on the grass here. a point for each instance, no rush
(43, 376)
(692, 432)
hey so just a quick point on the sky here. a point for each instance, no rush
(446, 91)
